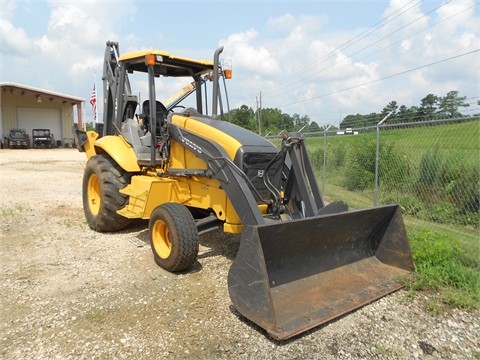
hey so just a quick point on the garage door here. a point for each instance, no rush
(34, 118)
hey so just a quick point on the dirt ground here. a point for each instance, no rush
(67, 292)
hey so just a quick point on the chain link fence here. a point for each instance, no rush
(430, 168)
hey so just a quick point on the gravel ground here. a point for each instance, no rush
(67, 292)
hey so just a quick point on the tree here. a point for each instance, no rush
(243, 116)
(352, 121)
(287, 123)
(358, 121)
(304, 120)
(372, 119)
(313, 127)
(296, 119)
(427, 108)
(392, 106)
(449, 105)
(271, 120)
(405, 114)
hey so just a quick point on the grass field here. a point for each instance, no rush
(457, 143)
(442, 161)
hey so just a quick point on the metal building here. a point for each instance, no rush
(25, 107)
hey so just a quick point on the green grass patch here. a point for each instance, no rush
(467, 237)
(355, 200)
(459, 140)
(96, 315)
(445, 270)
(10, 213)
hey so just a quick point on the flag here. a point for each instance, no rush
(93, 102)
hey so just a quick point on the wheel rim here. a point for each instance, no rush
(93, 193)
(161, 239)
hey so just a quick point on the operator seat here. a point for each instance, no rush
(162, 113)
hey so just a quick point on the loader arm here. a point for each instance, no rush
(294, 171)
(296, 175)
(223, 169)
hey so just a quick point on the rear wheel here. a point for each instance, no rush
(173, 237)
(102, 180)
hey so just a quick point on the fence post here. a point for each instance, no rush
(325, 156)
(377, 159)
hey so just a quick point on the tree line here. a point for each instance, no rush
(273, 121)
(270, 121)
(432, 107)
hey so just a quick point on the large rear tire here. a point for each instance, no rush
(102, 180)
(173, 237)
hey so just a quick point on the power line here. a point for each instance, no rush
(381, 79)
(347, 44)
(337, 69)
(330, 70)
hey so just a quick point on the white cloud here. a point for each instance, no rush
(15, 40)
(73, 42)
(74, 30)
(283, 22)
(8, 8)
(460, 16)
(88, 66)
(352, 93)
(248, 56)
(406, 44)
(287, 22)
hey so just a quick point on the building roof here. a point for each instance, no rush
(40, 93)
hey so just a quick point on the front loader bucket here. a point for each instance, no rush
(289, 277)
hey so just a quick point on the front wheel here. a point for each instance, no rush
(102, 180)
(173, 237)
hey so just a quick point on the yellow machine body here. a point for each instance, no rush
(147, 191)
(300, 263)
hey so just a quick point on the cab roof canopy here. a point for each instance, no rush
(165, 64)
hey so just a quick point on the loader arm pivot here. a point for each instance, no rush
(222, 169)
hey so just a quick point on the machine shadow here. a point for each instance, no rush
(216, 242)
(213, 243)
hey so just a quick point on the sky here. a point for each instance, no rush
(323, 59)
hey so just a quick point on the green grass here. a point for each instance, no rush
(354, 199)
(468, 238)
(11, 212)
(459, 143)
(445, 271)
(463, 137)
(96, 315)
(446, 255)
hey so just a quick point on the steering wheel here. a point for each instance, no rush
(177, 106)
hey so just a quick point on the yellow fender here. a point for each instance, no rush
(115, 146)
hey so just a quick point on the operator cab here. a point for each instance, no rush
(146, 132)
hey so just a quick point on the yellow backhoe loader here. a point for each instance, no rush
(300, 262)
